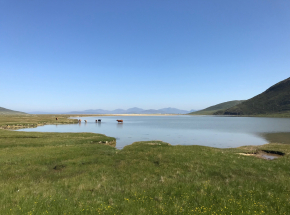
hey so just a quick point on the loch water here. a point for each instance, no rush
(214, 131)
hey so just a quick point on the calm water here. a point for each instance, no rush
(221, 132)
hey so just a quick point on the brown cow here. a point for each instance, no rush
(56, 118)
(85, 121)
(119, 120)
(80, 120)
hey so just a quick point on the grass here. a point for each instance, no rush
(285, 114)
(4, 111)
(72, 173)
(204, 112)
(219, 107)
(29, 120)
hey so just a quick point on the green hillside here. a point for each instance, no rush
(4, 111)
(275, 100)
(219, 107)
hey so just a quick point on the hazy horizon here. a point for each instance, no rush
(93, 109)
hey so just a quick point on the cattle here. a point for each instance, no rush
(119, 120)
(56, 118)
(99, 120)
(80, 120)
(96, 120)
(85, 121)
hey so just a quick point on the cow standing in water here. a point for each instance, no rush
(80, 121)
(85, 121)
(119, 120)
(56, 118)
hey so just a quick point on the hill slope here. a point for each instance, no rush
(4, 111)
(219, 107)
(275, 100)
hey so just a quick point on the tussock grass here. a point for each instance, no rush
(71, 173)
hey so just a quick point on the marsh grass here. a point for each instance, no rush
(71, 173)
(32, 120)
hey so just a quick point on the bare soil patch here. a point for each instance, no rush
(265, 154)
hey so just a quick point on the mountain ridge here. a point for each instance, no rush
(5, 111)
(274, 100)
(133, 110)
(218, 107)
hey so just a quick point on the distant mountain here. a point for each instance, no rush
(173, 111)
(43, 112)
(4, 111)
(192, 110)
(134, 110)
(275, 100)
(151, 111)
(219, 107)
(117, 111)
(97, 111)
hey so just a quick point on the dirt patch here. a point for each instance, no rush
(154, 144)
(273, 152)
(109, 143)
(265, 154)
(157, 143)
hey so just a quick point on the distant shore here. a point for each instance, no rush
(81, 115)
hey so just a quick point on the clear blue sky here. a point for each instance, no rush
(75, 55)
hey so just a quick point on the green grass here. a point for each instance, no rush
(4, 111)
(72, 173)
(31, 120)
(219, 107)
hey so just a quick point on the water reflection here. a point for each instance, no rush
(269, 157)
(119, 125)
(98, 124)
(219, 132)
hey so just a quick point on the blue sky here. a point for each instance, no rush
(76, 55)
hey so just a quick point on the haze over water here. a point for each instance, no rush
(220, 132)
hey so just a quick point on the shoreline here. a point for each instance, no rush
(76, 115)
(65, 119)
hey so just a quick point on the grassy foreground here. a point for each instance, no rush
(73, 173)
